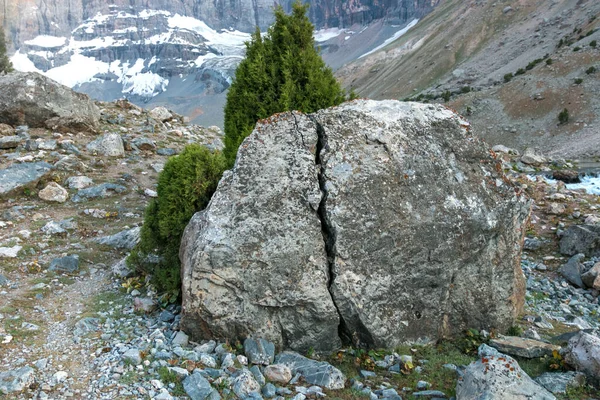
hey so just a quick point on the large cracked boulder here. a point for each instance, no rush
(29, 98)
(381, 222)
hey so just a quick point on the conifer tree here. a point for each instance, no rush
(5, 64)
(282, 71)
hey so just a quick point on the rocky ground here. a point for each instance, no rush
(71, 326)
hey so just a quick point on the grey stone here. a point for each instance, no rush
(278, 373)
(259, 351)
(572, 270)
(19, 176)
(10, 142)
(67, 264)
(160, 114)
(86, 325)
(314, 372)
(79, 182)
(69, 147)
(110, 144)
(244, 384)
(144, 304)
(532, 244)
(30, 98)
(367, 374)
(10, 252)
(207, 347)
(430, 394)
(269, 391)
(523, 347)
(126, 239)
(581, 239)
(198, 388)
(260, 378)
(180, 339)
(121, 269)
(17, 380)
(589, 278)
(496, 376)
(47, 144)
(558, 382)
(99, 191)
(143, 143)
(583, 353)
(166, 316)
(53, 228)
(532, 157)
(166, 152)
(3, 280)
(132, 356)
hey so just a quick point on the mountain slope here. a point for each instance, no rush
(472, 45)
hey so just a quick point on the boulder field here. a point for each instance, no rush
(375, 223)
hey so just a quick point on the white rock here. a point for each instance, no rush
(10, 252)
(54, 192)
(79, 182)
(150, 193)
(160, 114)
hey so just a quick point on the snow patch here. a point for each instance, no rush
(46, 41)
(225, 37)
(22, 63)
(145, 84)
(396, 35)
(78, 70)
(323, 35)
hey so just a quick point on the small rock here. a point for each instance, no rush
(259, 351)
(151, 193)
(144, 304)
(566, 175)
(160, 114)
(314, 372)
(54, 192)
(10, 142)
(198, 388)
(244, 384)
(132, 356)
(278, 373)
(79, 182)
(583, 353)
(531, 157)
(67, 264)
(269, 391)
(59, 377)
(10, 252)
(17, 380)
(572, 270)
(522, 347)
(110, 144)
(558, 382)
(180, 339)
(126, 239)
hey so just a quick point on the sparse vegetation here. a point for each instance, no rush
(549, 61)
(590, 70)
(576, 48)
(508, 77)
(578, 81)
(465, 89)
(563, 116)
(520, 71)
(593, 44)
(446, 96)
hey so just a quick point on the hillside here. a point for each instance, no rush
(469, 46)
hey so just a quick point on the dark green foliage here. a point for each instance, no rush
(576, 48)
(508, 77)
(520, 71)
(590, 70)
(593, 43)
(185, 186)
(281, 72)
(465, 89)
(5, 64)
(563, 116)
(514, 330)
(549, 61)
(446, 96)
(578, 81)
(561, 43)
(532, 64)
(469, 110)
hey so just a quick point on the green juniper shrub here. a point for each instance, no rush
(520, 71)
(593, 43)
(508, 77)
(549, 61)
(590, 70)
(465, 89)
(446, 96)
(563, 116)
(578, 81)
(576, 48)
(282, 71)
(185, 186)
(5, 64)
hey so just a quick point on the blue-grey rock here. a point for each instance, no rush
(86, 325)
(126, 239)
(573, 269)
(67, 264)
(314, 372)
(99, 191)
(3, 280)
(283, 391)
(390, 394)
(367, 374)
(69, 147)
(422, 385)
(430, 394)
(269, 391)
(20, 176)
(260, 378)
(166, 316)
(259, 351)
(558, 382)
(143, 143)
(163, 355)
(16, 381)
(198, 388)
(10, 142)
(211, 372)
(581, 239)
(166, 152)
(132, 356)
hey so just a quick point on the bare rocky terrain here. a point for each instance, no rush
(466, 48)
